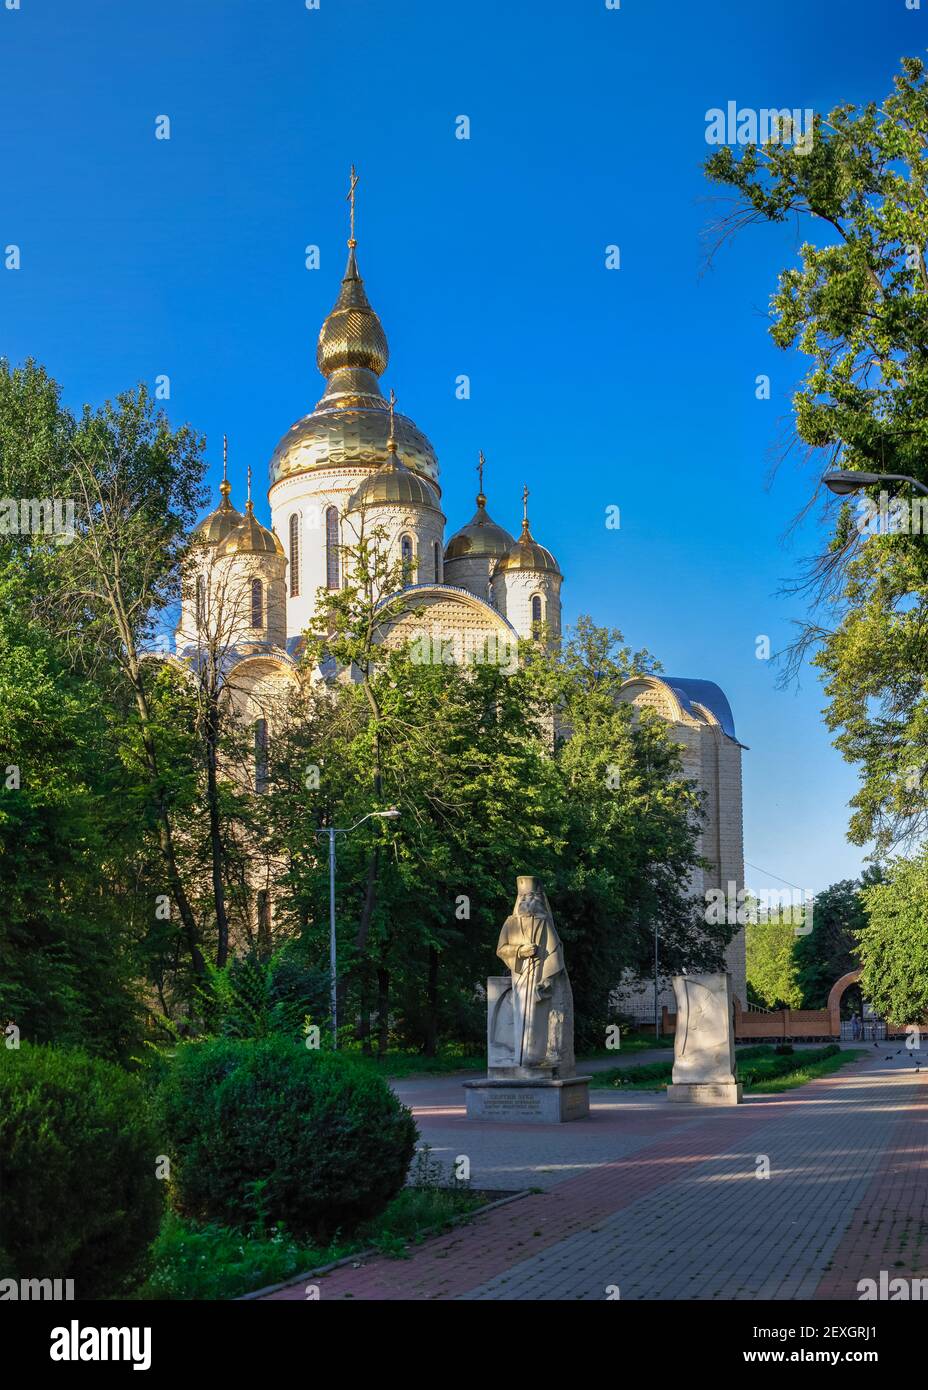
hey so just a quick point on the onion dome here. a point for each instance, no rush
(249, 537)
(393, 481)
(217, 526)
(526, 553)
(350, 424)
(481, 536)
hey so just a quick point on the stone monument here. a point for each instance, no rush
(531, 1072)
(704, 1042)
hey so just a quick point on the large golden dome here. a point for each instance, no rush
(351, 423)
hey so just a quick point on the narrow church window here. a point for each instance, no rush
(257, 603)
(536, 614)
(406, 555)
(332, 567)
(436, 551)
(261, 747)
(201, 600)
(294, 555)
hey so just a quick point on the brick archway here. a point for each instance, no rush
(834, 999)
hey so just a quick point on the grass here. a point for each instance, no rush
(192, 1262)
(398, 1064)
(762, 1070)
(395, 1065)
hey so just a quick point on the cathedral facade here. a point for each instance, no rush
(354, 465)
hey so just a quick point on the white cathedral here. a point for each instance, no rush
(355, 462)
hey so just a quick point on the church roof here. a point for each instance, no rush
(690, 691)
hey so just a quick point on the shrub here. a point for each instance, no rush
(319, 1141)
(80, 1198)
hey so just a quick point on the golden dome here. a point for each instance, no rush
(350, 425)
(215, 527)
(481, 536)
(394, 482)
(249, 537)
(352, 335)
(526, 553)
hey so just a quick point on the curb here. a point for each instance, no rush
(371, 1253)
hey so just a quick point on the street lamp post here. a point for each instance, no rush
(332, 831)
(843, 482)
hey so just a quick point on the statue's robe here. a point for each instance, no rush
(542, 1002)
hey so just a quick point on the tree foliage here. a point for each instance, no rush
(856, 305)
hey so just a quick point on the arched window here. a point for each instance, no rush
(257, 603)
(406, 556)
(201, 600)
(261, 748)
(332, 565)
(294, 554)
(436, 551)
(536, 614)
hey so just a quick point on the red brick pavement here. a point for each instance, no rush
(467, 1257)
(889, 1229)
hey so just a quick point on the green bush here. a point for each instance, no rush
(80, 1198)
(269, 1129)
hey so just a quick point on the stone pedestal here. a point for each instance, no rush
(706, 1093)
(542, 1101)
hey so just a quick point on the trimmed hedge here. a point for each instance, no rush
(80, 1198)
(326, 1141)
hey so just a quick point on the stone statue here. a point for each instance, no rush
(531, 1020)
(704, 1041)
(531, 1076)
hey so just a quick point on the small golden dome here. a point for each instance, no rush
(481, 536)
(526, 553)
(249, 537)
(393, 482)
(352, 335)
(215, 527)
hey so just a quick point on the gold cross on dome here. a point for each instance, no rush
(352, 185)
(525, 505)
(480, 467)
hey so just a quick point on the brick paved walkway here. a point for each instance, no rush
(665, 1202)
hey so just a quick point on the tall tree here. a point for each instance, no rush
(856, 305)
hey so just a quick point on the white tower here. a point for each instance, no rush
(526, 585)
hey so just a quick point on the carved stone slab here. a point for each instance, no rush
(704, 1042)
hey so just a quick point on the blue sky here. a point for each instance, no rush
(486, 257)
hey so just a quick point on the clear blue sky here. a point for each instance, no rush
(486, 257)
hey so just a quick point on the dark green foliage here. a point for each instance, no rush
(80, 1198)
(314, 1140)
(830, 949)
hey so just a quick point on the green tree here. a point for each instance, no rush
(830, 949)
(857, 306)
(771, 968)
(893, 945)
